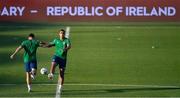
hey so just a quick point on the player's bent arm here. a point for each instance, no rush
(16, 51)
(67, 48)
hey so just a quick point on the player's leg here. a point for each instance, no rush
(61, 76)
(52, 70)
(28, 79)
(53, 67)
(33, 65)
(60, 80)
(62, 67)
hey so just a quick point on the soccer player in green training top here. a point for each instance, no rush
(30, 46)
(62, 45)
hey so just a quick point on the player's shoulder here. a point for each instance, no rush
(35, 40)
(67, 39)
(25, 41)
(56, 39)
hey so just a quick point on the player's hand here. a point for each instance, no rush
(12, 56)
(64, 50)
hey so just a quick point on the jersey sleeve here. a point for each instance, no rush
(23, 44)
(38, 43)
(68, 42)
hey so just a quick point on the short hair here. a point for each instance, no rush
(31, 35)
(62, 31)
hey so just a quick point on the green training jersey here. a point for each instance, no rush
(60, 45)
(30, 47)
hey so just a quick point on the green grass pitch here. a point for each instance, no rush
(106, 60)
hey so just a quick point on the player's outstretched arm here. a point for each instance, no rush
(45, 45)
(50, 45)
(16, 51)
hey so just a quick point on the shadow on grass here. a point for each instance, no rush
(7, 42)
(38, 94)
(10, 40)
(110, 92)
(8, 78)
(20, 90)
(43, 91)
(5, 60)
(142, 89)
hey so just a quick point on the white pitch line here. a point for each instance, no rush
(58, 93)
(106, 85)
